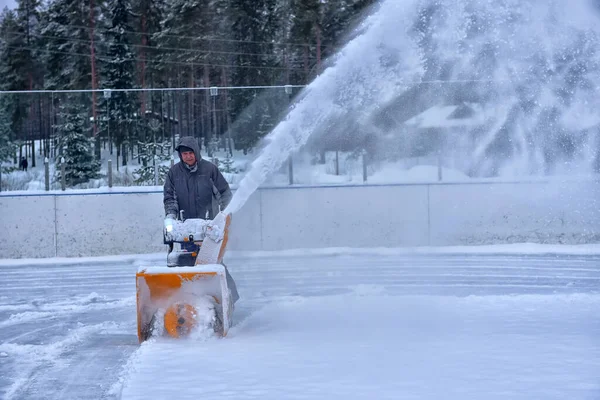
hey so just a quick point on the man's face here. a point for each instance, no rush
(188, 157)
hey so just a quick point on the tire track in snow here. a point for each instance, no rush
(28, 359)
(50, 312)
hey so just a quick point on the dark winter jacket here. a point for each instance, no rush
(197, 190)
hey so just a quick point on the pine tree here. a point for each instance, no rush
(56, 38)
(227, 165)
(14, 63)
(7, 147)
(28, 18)
(187, 53)
(148, 17)
(76, 146)
(67, 40)
(68, 50)
(256, 64)
(305, 27)
(152, 154)
(119, 71)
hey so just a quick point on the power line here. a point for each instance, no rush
(207, 38)
(204, 88)
(146, 60)
(161, 48)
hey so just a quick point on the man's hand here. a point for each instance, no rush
(169, 222)
(214, 232)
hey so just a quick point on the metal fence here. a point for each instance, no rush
(133, 133)
(128, 114)
(125, 123)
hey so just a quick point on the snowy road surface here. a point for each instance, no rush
(345, 325)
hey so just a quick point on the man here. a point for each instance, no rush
(195, 188)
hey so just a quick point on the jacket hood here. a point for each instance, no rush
(192, 143)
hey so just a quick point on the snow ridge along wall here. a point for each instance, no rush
(279, 218)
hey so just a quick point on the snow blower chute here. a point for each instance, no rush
(191, 291)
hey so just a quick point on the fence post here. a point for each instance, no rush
(155, 171)
(291, 170)
(172, 160)
(337, 162)
(47, 173)
(364, 165)
(288, 91)
(63, 178)
(110, 173)
(439, 165)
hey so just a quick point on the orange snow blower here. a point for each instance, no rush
(191, 291)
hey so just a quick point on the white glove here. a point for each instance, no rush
(169, 222)
(214, 232)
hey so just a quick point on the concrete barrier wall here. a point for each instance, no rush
(93, 223)
(109, 224)
(246, 230)
(27, 227)
(363, 216)
(536, 212)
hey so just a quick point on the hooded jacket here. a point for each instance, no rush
(198, 191)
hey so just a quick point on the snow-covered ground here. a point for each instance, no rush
(33, 179)
(305, 172)
(500, 322)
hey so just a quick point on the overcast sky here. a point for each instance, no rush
(7, 3)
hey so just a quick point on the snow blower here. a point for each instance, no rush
(191, 291)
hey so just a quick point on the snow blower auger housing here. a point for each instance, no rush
(191, 291)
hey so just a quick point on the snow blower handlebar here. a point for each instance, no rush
(190, 230)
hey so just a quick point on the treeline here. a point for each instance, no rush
(86, 45)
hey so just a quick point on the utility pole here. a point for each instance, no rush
(94, 82)
(214, 92)
(318, 29)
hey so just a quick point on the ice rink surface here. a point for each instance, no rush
(320, 325)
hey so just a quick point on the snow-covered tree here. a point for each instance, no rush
(70, 52)
(76, 146)
(149, 14)
(161, 43)
(147, 19)
(56, 39)
(191, 57)
(7, 147)
(14, 64)
(153, 155)
(227, 164)
(119, 73)
(28, 20)
(256, 62)
(66, 32)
